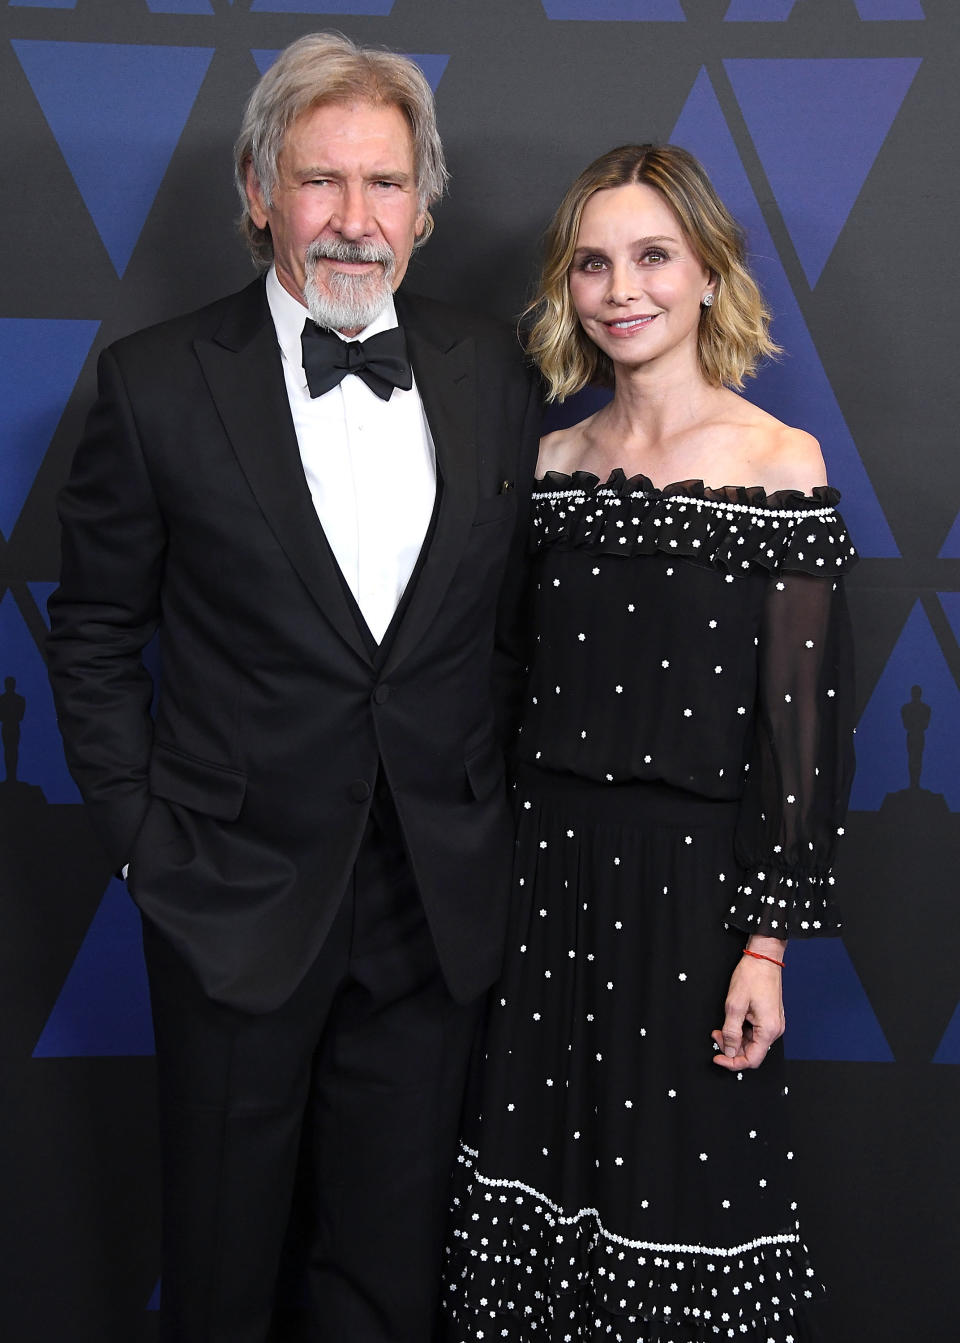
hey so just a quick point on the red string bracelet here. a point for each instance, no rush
(759, 956)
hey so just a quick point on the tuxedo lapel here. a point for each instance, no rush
(243, 369)
(446, 380)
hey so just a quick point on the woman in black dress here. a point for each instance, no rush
(684, 766)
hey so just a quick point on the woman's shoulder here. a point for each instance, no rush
(563, 449)
(777, 455)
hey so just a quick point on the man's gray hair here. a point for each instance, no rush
(329, 68)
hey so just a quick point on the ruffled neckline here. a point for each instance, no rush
(622, 485)
(735, 528)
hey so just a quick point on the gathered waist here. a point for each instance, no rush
(632, 802)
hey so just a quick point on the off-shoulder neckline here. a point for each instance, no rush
(622, 484)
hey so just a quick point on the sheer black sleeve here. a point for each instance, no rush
(801, 762)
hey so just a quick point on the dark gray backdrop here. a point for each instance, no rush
(831, 127)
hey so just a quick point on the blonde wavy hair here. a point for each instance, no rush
(734, 333)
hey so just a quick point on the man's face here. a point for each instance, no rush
(345, 212)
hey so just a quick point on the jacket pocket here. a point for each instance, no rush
(214, 790)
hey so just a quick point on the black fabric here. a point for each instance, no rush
(342, 1106)
(684, 766)
(701, 638)
(212, 536)
(380, 361)
(243, 804)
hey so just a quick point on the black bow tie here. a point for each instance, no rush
(381, 360)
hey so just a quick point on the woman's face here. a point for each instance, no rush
(636, 282)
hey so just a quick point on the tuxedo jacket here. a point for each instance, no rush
(240, 796)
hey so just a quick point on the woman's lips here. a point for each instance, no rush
(626, 326)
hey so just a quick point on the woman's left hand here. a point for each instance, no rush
(753, 1013)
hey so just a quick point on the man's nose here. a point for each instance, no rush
(352, 217)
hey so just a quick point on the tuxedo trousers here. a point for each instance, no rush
(312, 1146)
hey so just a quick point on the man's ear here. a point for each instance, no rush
(255, 201)
(423, 227)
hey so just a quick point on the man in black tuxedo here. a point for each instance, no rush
(316, 509)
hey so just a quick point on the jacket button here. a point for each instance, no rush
(359, 790)
(381, 694)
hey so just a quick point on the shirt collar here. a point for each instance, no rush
(289, 315)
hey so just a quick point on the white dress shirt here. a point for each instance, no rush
(370, 465)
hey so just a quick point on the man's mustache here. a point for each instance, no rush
(339, 249)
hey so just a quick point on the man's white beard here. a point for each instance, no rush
(348, 302)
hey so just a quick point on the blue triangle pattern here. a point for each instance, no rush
(180, 6)
(265, 57)
(154, 1302)
(890, 9)
(104, 1005)
(951, 547)
(31, 405)
(848, 107)
(624, 11)
(948, 1051)
(117, 112)
(950, 601)
(352, 7)
(431, 65)
(41, 761)
(881, 736)
(796, 389)
(759, 11)
(829, 1016)
(41, 593)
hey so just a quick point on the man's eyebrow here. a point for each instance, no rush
(375, 174)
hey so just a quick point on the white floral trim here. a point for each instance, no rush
(570, 1219)
(611, 496)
